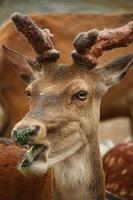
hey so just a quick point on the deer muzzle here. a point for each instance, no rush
(33, 135)
(24, 135)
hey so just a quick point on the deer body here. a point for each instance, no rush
(61, 127)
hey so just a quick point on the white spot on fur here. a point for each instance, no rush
(41, 94)
(107, 159)
(111, 162)
(123, 192)
(124, 171)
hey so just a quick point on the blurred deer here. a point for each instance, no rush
(118, 168)
(61, 127)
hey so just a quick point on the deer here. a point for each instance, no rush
(61, 128)
(118, 168)
(11, 92)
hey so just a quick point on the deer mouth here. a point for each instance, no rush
(33, 154)
(39, 158)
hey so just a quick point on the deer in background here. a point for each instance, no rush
(61, 127)
(118, 168)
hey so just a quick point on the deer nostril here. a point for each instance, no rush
(14, 135)
(32, 130)
(22, 136)
(37, 128)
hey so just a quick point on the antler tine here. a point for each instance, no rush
(40, 40)
(91, 45)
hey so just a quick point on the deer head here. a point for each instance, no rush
(64, 99)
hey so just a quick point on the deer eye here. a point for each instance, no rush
(81, 95)
(28, 94)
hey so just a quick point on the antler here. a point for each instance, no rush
(40, 40)
(91, 45)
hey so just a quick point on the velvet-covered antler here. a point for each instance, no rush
(91, 45)
(40, 40)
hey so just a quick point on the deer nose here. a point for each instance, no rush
(24, 135)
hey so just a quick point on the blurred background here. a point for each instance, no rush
(47, 6)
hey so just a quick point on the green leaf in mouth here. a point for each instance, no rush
(31, 155)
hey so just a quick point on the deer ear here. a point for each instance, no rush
(20, 64)
(116, 70)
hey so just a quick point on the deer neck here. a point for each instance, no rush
(80, 177)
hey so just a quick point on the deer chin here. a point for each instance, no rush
(37, 160)
(34, 154)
